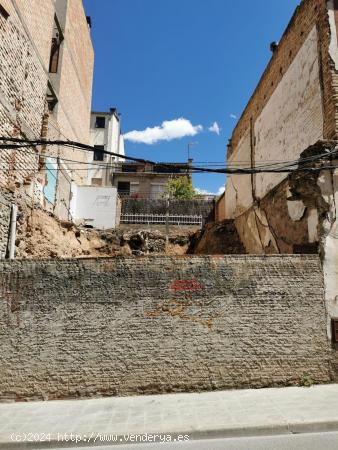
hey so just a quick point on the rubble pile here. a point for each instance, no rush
(41, 235)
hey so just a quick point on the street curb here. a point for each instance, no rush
(235, 432)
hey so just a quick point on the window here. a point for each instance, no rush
(123, 188)
(51, 98)
(157, 190)
(55, 49)
(130, 168)
(165, 169)
(3, 12)
(100, 122)
(98, 153)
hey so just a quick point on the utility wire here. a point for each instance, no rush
(288, 167)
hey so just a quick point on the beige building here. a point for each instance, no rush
(146, 181)
(46, 76)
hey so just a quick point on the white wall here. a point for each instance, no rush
(110, 137)
(114, 135)
(238, 188)
(96, 206)
(121, 147)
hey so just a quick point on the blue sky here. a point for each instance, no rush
(163, 60)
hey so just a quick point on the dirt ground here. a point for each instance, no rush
(42, 235)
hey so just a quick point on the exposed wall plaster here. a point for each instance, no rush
(333, 47)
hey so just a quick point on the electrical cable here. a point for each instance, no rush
(269, 168)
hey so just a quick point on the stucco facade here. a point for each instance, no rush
(105, 134)
(146, 181)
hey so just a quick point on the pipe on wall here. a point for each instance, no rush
(12, 231)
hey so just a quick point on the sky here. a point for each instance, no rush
(182, 71)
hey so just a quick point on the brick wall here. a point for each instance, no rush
(26, 36)
(75, 84)
(158, 324)
(22, 95)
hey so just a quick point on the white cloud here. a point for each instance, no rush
(169, 130)
(233, 116)
(215, 128)
(201, 191)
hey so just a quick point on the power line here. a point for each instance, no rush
(289, 166)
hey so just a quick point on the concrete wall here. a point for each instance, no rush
(63, 192)
(158, 324)
(96, 206)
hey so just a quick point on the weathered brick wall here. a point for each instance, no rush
(159, 324)
(26, 36)
(39, 19)
(6, 199)
(22, 95)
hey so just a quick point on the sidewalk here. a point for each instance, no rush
(205, 415)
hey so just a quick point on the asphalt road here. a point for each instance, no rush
(312, 441)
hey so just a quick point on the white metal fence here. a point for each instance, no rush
(161, 219)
